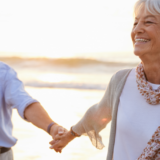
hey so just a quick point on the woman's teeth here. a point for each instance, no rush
(141, 40)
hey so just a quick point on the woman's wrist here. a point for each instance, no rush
(70, 136)
(74, 133)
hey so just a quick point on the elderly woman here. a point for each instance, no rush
(132, 99)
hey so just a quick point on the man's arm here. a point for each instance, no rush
(28, 108)
(37, 115)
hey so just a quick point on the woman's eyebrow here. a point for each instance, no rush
(136, 18)
(149, 16)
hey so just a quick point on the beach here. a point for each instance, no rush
(66, 88)
(65, 53)
(66, 107)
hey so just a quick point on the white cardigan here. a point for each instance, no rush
(98, 116)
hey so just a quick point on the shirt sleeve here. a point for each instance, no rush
(15, 95)
(95, 119)
(98, 116)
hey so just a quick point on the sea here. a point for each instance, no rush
(65, 53)
(69, 73)
(66, 88)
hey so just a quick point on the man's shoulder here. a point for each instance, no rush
(4, 66)
(4, 69)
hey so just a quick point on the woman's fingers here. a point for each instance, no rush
(59, 150)
(60, 144)
(56, 146)
(58, 137)
(60, 141)
(53, 142)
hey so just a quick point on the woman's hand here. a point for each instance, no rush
(61, 140)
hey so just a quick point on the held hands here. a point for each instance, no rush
(57, 130)
(61, 140)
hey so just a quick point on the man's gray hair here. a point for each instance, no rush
(152, 6)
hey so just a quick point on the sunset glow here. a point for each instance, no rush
(52, 78)
(50, 28)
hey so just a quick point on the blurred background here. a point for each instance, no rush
(65, 52)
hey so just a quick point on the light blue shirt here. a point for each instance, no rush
(12, 95)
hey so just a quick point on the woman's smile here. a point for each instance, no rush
(145, 34)
(140, 41)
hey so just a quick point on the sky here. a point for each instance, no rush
(65, 28)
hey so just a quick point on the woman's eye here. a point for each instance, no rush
(135, 23)
(149, 22)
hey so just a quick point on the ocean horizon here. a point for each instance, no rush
(75, 73)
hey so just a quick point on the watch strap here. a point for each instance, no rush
(73, 133)
(49, 127)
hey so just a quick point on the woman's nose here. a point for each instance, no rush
(139, 28)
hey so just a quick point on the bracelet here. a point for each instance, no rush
(49, 126)
(73, 133)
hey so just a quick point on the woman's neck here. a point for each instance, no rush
(152, 71)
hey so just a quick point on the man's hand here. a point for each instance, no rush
(57, 130)
(36, 114)
(61, 140)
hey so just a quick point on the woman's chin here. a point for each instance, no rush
(138, 52)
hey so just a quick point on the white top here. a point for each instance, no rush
(136, 121)
(12, 95)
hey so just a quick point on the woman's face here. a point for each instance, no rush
(146, 34)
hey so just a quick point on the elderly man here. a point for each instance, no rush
(13, 95)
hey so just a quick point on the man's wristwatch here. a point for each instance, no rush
(73, 133)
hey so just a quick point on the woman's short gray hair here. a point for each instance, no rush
(152, 6)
